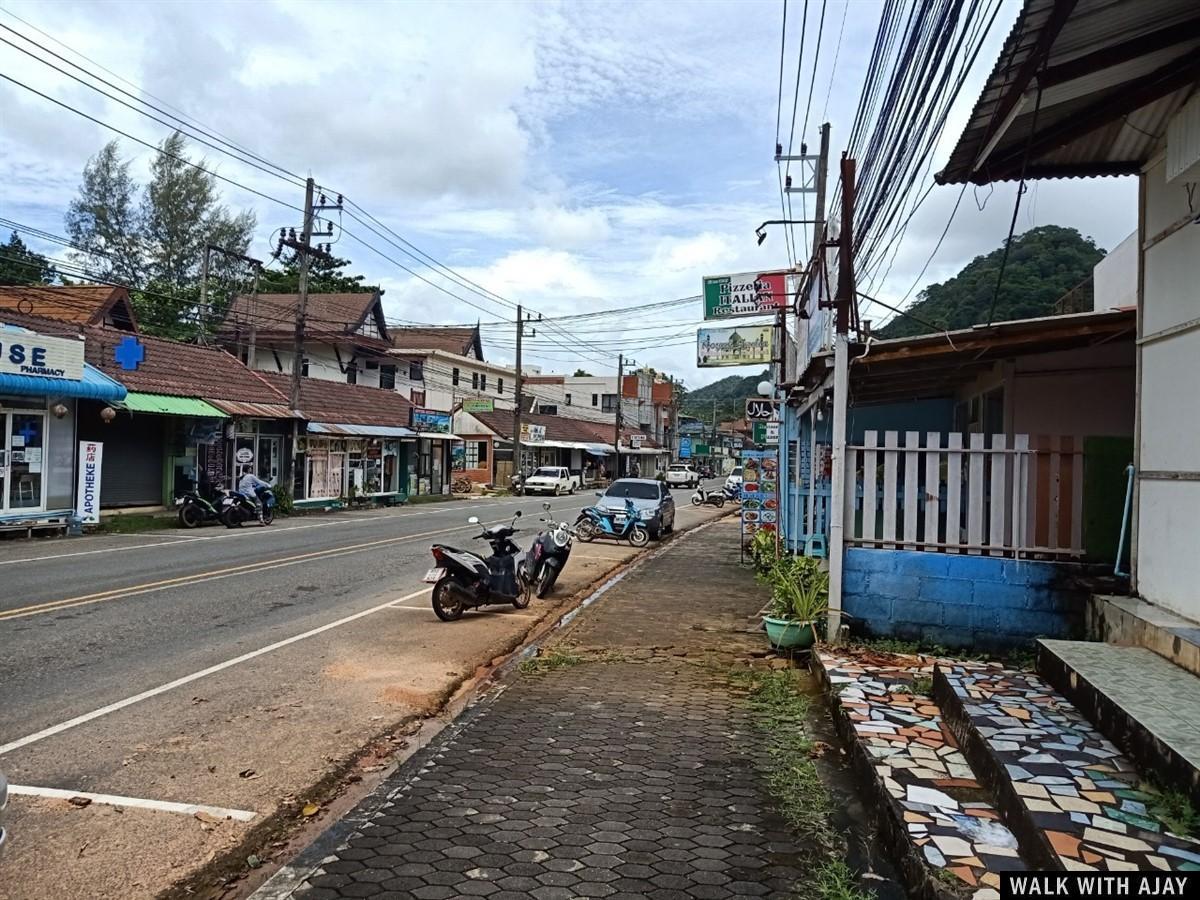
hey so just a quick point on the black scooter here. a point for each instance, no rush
(195, 510)
(238, 509)
(463, 580)
(547, 557)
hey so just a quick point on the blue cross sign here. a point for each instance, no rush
(29, 432)
(129, 353)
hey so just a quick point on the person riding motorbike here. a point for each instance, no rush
(248, 486)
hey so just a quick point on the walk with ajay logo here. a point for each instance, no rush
(1114, 884)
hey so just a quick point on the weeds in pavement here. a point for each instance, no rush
(1023, 657)
(835, 881)
(133, 523)
(544, 662)
(1173, 808)
(923, 685)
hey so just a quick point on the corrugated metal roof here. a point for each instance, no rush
(165, 404)
(1112, 73)
(253, 410)
(343, 428)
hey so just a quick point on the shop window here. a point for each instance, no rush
(416, 370)
(387, 377)
(476, 454)
(483, 452)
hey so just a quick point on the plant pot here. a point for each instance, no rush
(788, 635)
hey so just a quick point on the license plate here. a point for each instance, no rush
(619, 518)
(434, 575)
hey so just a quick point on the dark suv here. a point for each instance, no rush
(651, 498)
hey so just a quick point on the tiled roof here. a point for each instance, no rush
(325, 315)
(560, 428)
(451, 340)
(84, 304)
(348, 404)
(178, 369)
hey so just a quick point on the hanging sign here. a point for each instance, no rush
(760, 410)
(479, 406)
(766, 433)
(635, 441)
(87, 490)
(744, 294)
(430, 420)
(685, 448)
(26, 353)
(747, 345)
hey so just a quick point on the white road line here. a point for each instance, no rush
(195, 676)
(187, 809)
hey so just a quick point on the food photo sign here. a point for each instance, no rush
(760, 492)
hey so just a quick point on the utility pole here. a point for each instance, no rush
(519, 398)
(841, 388)
(250, 350)
(304, 251)
(818, 247)
(620, 405)
(202, 324)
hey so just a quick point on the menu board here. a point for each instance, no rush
(760, 492)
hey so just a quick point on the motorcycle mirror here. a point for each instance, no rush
(517, 515)
(599, 493)
(474, 520)
(546, 504)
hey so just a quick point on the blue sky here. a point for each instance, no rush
(570, 156)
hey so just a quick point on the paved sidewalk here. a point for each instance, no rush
(603, 777)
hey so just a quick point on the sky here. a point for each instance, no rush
(569, 156)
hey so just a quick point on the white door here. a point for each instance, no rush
(22, 469)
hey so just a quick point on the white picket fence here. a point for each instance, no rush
(986, 497)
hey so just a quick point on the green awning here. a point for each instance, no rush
(165, 404)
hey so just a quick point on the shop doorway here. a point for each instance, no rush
(22, 458)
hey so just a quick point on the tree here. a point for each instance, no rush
(104, 220)
(579, 373)
(324, 277)
(20, 265)
(155, 242)
(1044, 264)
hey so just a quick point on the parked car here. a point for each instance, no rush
(650, 497)
(3, 804)
(734, 479)
(551, 480)
(683, 475)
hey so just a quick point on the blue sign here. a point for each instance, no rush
(685, 448)
(129, 353)
(430, 420)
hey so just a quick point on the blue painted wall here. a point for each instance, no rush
(960, 600)
(916, 415)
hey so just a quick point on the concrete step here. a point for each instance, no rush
(1147, 706)
(1132, 622)
(1071, 797)
(933, 813)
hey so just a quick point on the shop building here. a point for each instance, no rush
(576, 444)
(48, 395)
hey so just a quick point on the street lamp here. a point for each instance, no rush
(761, 230)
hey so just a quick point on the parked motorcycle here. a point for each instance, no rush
(541, 566)
(464, 580)
(732, 494)
(708, 498)
(237, 509)
(594, 523)
(195, 510)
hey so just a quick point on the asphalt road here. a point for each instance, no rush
(87, 621)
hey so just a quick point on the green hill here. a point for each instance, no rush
(1044, 264)
(730, 394)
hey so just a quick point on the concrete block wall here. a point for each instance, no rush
(960, 600)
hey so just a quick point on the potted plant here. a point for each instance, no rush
(799, 597)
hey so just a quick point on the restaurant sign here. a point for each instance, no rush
(430, 420)
(746, 345)
(744, 294)
(479, 406)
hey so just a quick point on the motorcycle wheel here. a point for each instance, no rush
(268, 516)
(524, 592)
(545, 581)
(446, 603)
(190, 516)
(720, 502)
(230, 518)
(639, 536)
(586, 531)
(695, 501)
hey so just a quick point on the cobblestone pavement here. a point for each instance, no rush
(617, 779)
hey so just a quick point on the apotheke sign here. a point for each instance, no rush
(26, 353)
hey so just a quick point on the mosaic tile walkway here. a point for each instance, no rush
(1077, 793)
(916, 758)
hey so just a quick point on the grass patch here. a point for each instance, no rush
(835, 881)
(923, 685)
(136, 522)
(434, 498)
(780, 713)
(545, 662)
(1023, 657)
